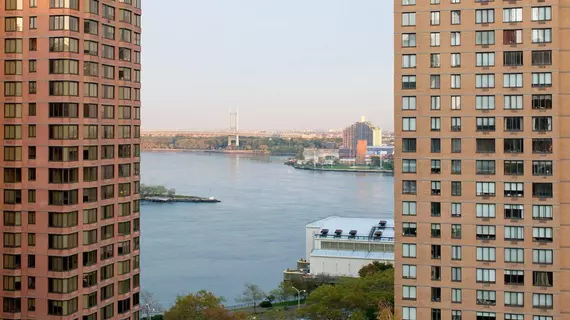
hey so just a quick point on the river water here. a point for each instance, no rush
(255, 233)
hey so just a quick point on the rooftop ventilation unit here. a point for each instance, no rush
(338, 232)
(383, 224)
(352, 233)
(378, 234)
(324, 232)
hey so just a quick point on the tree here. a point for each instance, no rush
(386, 311)
(375, 161)
(149, 304)
(202, 305)
(251, 295)
(284, 292)
(374, 268)
(355, 297)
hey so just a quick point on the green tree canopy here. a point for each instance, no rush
(374, 268)
(202, 305)
(354, 298)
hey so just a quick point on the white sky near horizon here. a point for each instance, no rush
(284, 64)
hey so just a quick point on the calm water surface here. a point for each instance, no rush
(255, 233)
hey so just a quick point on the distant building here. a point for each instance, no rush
(362, 130)
(361, 152)
(380, 150)
(340, 247)
(320, 155)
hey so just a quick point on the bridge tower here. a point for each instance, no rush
(233, 137)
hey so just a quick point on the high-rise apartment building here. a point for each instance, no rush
(481, 165)
(70, 159)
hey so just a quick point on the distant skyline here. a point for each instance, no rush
(296, 64)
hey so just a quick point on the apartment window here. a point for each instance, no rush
(435, 81)
(541, 79)
(436, 188)
(12, 45)
(455, 38)
(513, 145)
(514, 277)
(542, 256)
(514, 211)
(486, 232)
(436, 273)
(435, 39)
(456, 188)
(542, 278)
(455, 81)
(512, 36)
(436, 209)
(486, 297)
(513, 80)
(514, 255)
(408, 82)
(514, 102)
(486, 276)
(456, 145)
(108, 52)
(513, 58)
(542, 300)
(408, 40)
(542, 58)
(435, 18)
(484, 16)
(455, 60)
(542, 212)
(456, 231)
(409, 124)
(409, 229)
(514, 167)
(108, 32)
(408, 145)
(435, 103)
(514, 233)
(485, 59)
(485, 123)
(542, 145)
(485, 189)
(409, 313)
(456, 209)
(408, 250)
(541, 123)
(436, 251)
(408, 103)
(456, 274)
(436, 230)
(456, 253)
(408, 271)
(408, 19)
(455, 17)
(455, 166)
(542, 234)
(541, 13)
(485, 145)
(485, 37)
(514, 299)
(408, 166)
(455, 102)
(483, 81)
(435, 124)
(512, 15)
(64, 23)
(485, 167)
(486, 316)
(514, 189)
(542, 190)
(541, 35)
(409, 187)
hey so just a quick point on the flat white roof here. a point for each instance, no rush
(363, 226)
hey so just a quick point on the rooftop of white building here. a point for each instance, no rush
(358, 228)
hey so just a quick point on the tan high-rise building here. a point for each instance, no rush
(70, 159)
(482, 183)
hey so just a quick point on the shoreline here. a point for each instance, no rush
(207, 151)
(384, 171)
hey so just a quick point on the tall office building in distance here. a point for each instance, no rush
(70, 159)
(481, 177)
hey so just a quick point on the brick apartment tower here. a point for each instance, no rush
(70, 159)
(482, 182)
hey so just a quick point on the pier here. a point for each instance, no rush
(163, 199)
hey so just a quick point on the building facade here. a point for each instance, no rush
(481, 89)
(361, 130)
(70, 159)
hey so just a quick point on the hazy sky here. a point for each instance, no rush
(285, 64)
